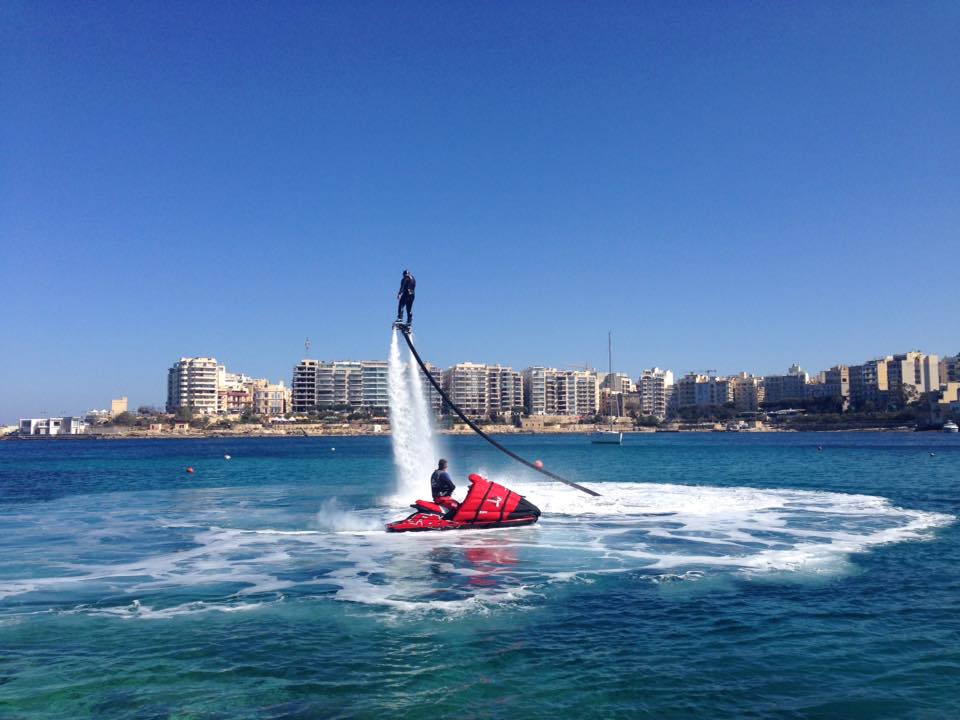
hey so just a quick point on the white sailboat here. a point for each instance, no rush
(611, 436)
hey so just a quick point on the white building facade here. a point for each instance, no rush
(655, 386)
(193, 384)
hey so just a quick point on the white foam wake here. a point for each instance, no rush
(660, 533)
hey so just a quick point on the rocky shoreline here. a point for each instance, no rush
(352, 431)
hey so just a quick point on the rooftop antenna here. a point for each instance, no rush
(306, 346)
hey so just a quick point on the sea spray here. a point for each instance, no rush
(415, 451)
(333, 517)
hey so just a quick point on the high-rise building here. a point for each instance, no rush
(481, 390)
(696, 390)
(745, 391)
(836, 381)
(373, 381)
(434, 399)
(869, 384)
(192, 385)
(785, 388)
(466, 386)
(617, 383)
(911, 374)
(548, 391)
(343, 384)
(950, 369)
(505, 387)
(304, 386)
(204, 386)
(655, 386)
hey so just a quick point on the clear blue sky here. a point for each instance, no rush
(733, 185)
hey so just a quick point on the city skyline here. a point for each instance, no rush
(634, 375)
(719, 187)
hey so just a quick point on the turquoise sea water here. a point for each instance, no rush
(727, 575)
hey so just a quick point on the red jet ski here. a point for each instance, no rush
(487, 505)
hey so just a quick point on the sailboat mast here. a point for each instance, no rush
(610, 352)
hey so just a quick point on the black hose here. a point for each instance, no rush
(481, 433)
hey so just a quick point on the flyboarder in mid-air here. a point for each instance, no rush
(406, 296)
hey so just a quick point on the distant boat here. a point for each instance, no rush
(950, 427)
(607, 437)
(611, 436)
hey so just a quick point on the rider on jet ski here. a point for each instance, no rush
(442, 486)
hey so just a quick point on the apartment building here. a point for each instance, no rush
(911, 374)
(785, 388)
(617, 383)
(836, 381)
(654, 387)
(696, 390)
(234, 391)
(505, 387)
(271, 399)
(548, 391)
(347, 384)
(481, 390)
(829, 384)
(746, 392)
(304, 386)
(869, 383)
(434, 399)
(192, 384)
(466, 385)
(950, 369)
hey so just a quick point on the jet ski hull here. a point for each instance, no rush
(425, 522)
(487, 506)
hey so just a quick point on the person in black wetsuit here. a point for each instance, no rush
(442, 486)
(408, 291)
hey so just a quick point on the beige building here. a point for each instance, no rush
(785, 388)
(617, 383)
(912, 374)
(696, 390)
(833, 383)
(950, 369)
(548, 391)
(869, 383)
(206, 387)
(117, 406)
(746, 392)
(483, 390)
(271, 399)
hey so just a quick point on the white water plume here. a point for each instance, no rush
(415, 451)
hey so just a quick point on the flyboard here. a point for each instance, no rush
(487, 504)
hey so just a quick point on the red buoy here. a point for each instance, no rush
(190, 470)
(538, 464)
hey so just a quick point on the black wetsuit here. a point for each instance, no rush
(408, 291)
(441, 484)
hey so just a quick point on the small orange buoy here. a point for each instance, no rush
(190, 470)
(538, 464)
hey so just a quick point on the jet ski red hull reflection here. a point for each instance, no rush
(487, 505)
